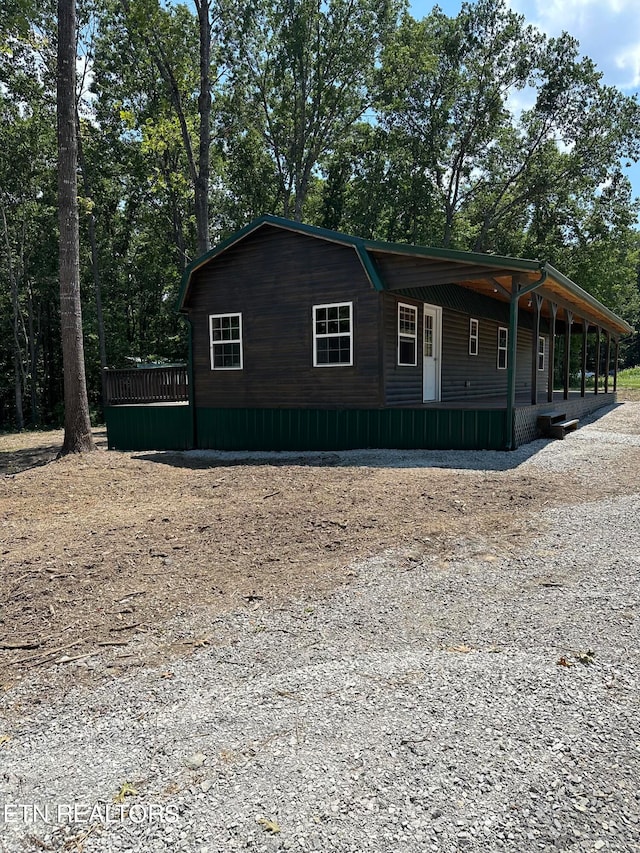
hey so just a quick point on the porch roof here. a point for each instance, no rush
(492, 275)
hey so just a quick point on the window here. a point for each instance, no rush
(407, 335)
(503, 338)
(473, 337)
(225, 337)
(428, 335)
(540, 353)
(332, 335)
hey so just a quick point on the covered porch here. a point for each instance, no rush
(568, 329)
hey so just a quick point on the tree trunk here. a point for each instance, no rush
(77, 426)
(204, 108)
(448, 225)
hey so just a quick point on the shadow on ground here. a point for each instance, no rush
(31, 457)
(473, 460)
(481, 460)
(36, 454)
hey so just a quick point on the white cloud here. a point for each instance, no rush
(608, 32)
(629, 63)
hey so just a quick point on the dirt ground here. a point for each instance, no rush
(99, 549)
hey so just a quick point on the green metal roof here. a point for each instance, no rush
(364, 248)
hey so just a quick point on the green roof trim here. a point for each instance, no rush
(299, 227)
(364, 248)
(474, 258)
(370, 267)
(576, 290)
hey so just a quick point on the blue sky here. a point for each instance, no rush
(608, 32)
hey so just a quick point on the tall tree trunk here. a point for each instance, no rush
(77, 426)
(201, 187)
(199, 168)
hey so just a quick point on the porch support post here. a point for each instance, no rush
(567, 351)
(597, 371)
(518, 289)
(552, 351)
(616, 353)
(583, 366)
(608, 364)
(537, 303)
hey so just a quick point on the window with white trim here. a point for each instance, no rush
(225, 341)
(473, 336)
(541, 353)
(427, 349)
(503, 342)
(407, 335)
(333, 335)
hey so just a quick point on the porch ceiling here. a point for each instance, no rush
(495, 281)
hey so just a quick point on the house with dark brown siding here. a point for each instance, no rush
(303, 338)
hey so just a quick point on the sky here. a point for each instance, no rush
(608, 32)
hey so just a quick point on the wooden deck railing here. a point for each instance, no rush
(146, 385)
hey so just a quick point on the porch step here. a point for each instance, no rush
(555, 424)
(546, 419)
(561, 428)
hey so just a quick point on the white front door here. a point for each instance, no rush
(431, 353)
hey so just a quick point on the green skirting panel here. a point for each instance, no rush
(346, 429)
(148, 427)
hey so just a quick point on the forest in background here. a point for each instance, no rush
(475, 132)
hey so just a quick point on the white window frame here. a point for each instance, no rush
(503, 348)
(474, 336)
(317, 337)
(541, 351)
(408, 337)
(237, 340)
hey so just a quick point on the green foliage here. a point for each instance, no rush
(629, 378)
(305, 70)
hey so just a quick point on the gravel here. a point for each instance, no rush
(477, 701)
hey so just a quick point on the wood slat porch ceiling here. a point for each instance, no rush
(497, 284)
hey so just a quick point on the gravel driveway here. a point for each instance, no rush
(482, 700)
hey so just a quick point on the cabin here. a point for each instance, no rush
(302, 338)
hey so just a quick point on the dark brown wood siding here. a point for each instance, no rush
(403, 384)
(463, 376)
(274, 278)
(467, 376)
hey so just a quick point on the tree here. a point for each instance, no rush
(376, 186)
(443, 86)
(447, 87)
(305, 70)
(28, 229)
(159, 33)
(77, 425)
